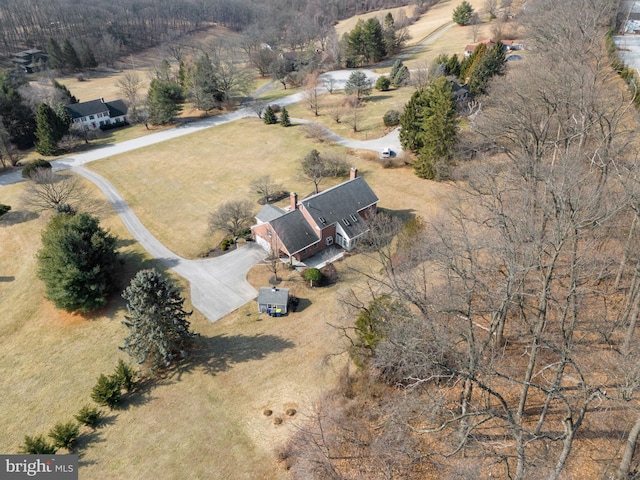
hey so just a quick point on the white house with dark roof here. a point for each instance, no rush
(97, 113)
(335, 216)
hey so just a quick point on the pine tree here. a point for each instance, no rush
(157, 322)
(87, 57)
(358, 84)
(46, 123)
(77, 262)
(54, 54)
(389, 33)
(164, 101)
(269, 116)
(70, 59)
(463, 13)
(490, 64)
(285, 121)
(69, 98)
(438, 133)
(411, 121)
(469, 63)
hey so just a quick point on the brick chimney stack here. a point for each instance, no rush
(353, 173)
(293, 197)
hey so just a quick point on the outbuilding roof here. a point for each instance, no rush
(269, 212)
(273, 296)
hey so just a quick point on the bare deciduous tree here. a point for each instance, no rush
(266, 187)
(232, 217)
(46, 189)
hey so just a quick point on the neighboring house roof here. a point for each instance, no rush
(84, 109)
(294, 231)
(268, 213)
(115, 108)
(273, 296)
(341, 204)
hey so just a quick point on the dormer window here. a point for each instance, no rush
(322, 219)
(354, 218)
(346, 222)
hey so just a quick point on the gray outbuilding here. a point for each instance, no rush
(273, 301)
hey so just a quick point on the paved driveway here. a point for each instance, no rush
(218, 285)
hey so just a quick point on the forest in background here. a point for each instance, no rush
(132, 25)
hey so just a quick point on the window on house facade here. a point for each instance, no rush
(329, 241)
(91, 117)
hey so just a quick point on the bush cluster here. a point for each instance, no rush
(32, 167)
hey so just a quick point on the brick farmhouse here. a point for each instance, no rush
(336, 216)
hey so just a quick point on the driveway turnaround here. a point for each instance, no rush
(218, 285)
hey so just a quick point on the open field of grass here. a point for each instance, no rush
(369, 120)
(206, 420)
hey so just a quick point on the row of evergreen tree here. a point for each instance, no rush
(371, 42)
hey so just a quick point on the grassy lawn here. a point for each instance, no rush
(206, 420)
(173, 187)
(369, 122)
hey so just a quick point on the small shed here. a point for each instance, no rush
(273, 301)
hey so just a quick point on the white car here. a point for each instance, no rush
(386, 152)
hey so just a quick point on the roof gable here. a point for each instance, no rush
(273, 296)
(294, 232)
(269, 212)
(342, 204)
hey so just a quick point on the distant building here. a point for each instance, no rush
(335, 216)
(98, 114)
(273, 301)
(29, 61)
(490, 43)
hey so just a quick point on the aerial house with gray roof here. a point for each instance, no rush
(98, 114)
(336, 216)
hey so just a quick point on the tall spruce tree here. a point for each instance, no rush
(285, 121)
(164, 101)
(77, 262)
(490, 64)
(463, 13)
(411, 121)
(46, 123)
(55, 58)
(70, 58)
(438, 133)
(157, 322)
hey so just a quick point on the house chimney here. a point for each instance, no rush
(293, 197)
(353, 173)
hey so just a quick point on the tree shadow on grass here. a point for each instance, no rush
(14, 217)
(219, 354)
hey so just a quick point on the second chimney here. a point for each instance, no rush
(353, 173)
(293, 197)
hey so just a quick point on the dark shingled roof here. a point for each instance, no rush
(116, 108)
(84, 109)
(273, 296)
(340, 203)
(268, 213)
(294, 231)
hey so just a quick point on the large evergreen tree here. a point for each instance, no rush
(55, 57)
(358, 84)
(17, 118)
(463, 13)
(365, 43)
(490, 64)
(164, 101)
(70, 58)
(202, 85)
(157, 322)
(77, 262)
(411, 121)
(439, 131)
(46, 124)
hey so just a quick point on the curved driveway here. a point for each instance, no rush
(218, 285)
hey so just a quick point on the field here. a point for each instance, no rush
(205, 420)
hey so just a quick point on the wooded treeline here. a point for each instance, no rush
(500, 339)
(138, 24)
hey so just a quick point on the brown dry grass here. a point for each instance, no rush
(206, 420)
